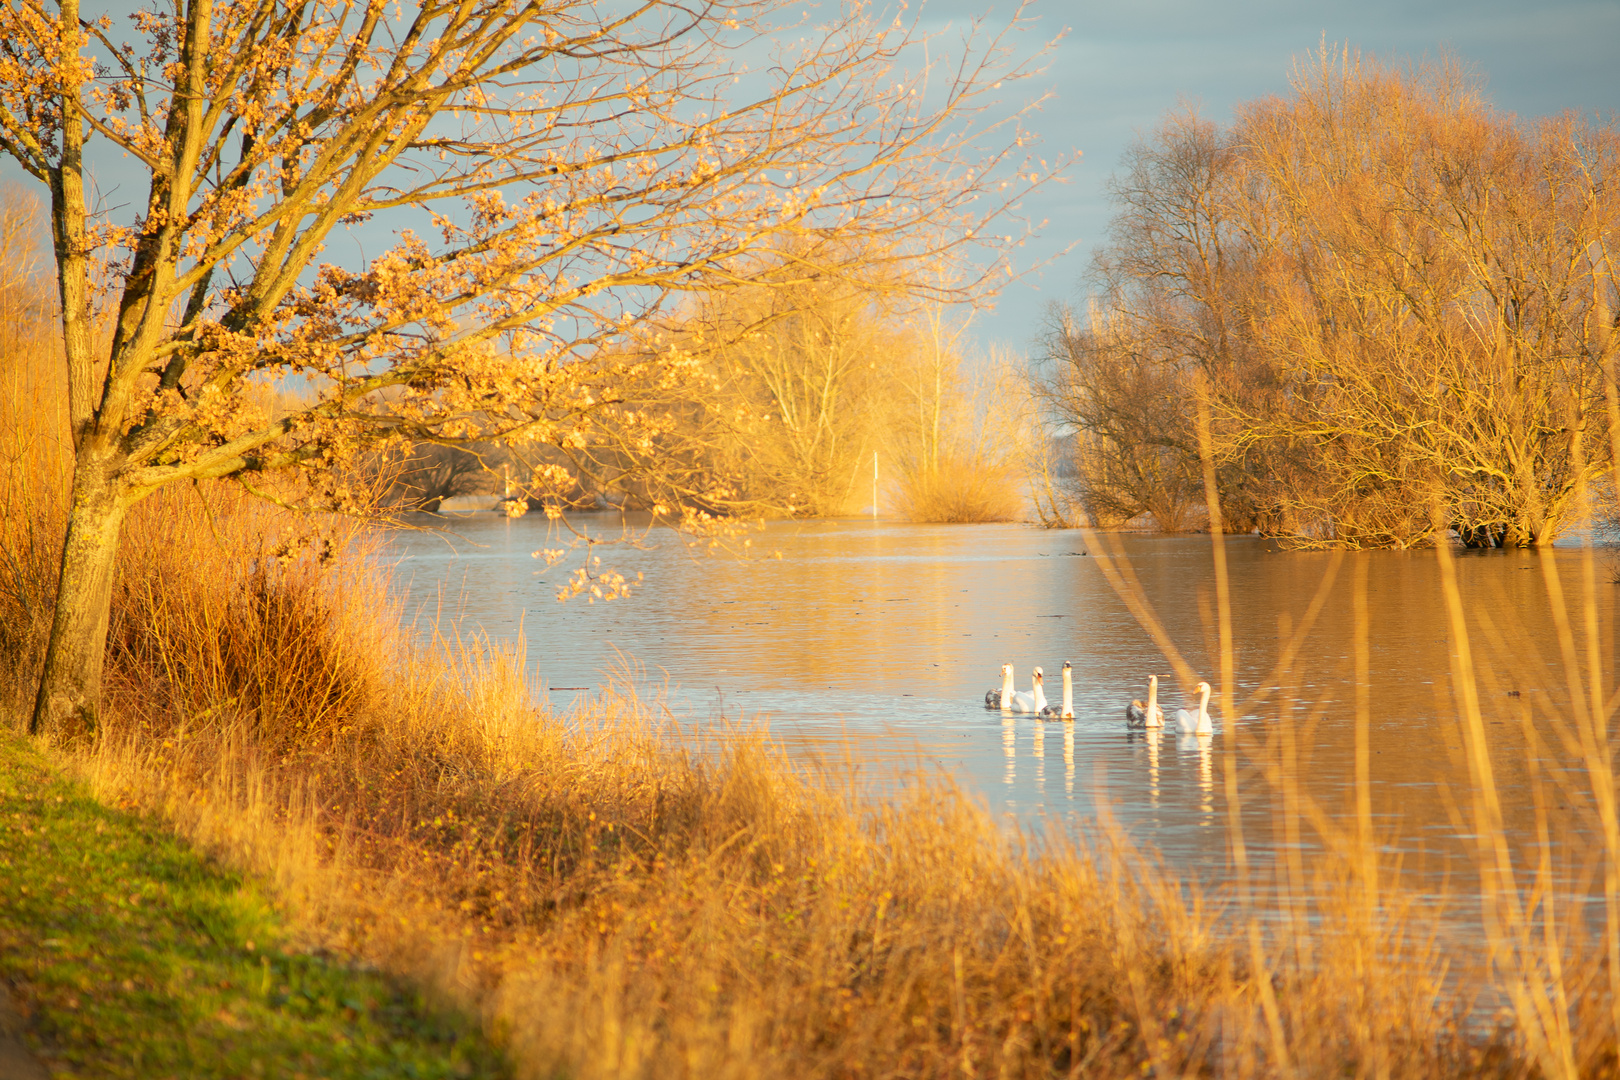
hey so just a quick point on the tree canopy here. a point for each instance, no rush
(1391, 295)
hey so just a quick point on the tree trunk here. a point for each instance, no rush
(70, 685)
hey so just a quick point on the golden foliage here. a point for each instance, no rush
(1386, 289)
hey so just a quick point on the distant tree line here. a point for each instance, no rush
(770, 399)
(1386, 295)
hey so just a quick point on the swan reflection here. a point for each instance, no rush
(1068, 760)
(1009, 746)
(1203, 746)
(1153, 772)
(1040, 756)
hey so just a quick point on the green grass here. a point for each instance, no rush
(133, 956)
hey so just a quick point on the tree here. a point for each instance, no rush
(421, 477)
(1394, 296)
(960, 455)
(1429, 289)
(807, 377)
(806, 373)
(549, 171)
(1134, 451)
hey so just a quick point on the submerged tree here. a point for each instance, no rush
(539, 173)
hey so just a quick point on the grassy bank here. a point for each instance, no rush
(133, 956)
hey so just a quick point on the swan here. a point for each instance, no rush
(994, 698)
(1052, 712)
(1032, 702)
(1196, 723)
(1150, 715)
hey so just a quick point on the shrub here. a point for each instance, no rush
(959, 490)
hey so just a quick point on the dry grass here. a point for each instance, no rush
(617, 899)
(617, 902)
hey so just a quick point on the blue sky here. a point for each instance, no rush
(1124, 63)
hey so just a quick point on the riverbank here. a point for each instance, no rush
(613, 898)
(128, 954)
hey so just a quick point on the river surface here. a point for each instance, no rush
(876, 641)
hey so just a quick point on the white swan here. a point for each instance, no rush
(1196, 723)
(1150, 715)
(994, 698)
(1053, 712)
(1032, 702)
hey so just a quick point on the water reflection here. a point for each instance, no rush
(1009, 744)
(878, 640)
(1040, 760)
(1152, 738)
(1204, 747)
(1068, 761)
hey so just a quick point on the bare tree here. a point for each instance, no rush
(1127, 404)
(550, 170)
(808, 378)
(422, 476)
(1394, 295)
(1429, 287)
(809, 391)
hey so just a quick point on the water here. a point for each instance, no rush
(877, 641)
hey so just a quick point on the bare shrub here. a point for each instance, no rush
(273, 637)
(36, 449)
(959, 491)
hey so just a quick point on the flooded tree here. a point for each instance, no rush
(809, 375)
(1134, 452)
(1395, 295)
(807, 392)
(455, 202)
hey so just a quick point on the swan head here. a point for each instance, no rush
(1067, 666)
(1203, 692)
(1039, 677)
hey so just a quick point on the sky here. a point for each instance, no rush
(1123, 64)
(1120, 65)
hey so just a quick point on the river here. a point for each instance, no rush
(875, 642)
